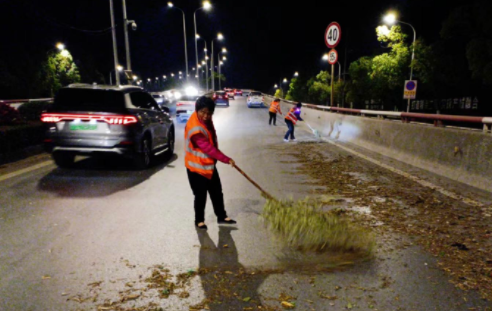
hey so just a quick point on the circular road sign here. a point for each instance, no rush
(410, 85)
(333, 34)
(333, 57)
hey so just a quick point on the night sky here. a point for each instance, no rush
(266, 40)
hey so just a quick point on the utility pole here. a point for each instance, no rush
(115, 46)
(127, 41)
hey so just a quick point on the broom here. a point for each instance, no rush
(304, 225)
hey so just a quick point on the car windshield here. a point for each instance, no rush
(89, 100)
(255, 94)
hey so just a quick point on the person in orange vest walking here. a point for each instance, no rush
(274, 109)
(291, 119)
(201, 156)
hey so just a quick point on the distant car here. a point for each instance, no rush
(230, 93)
(93, 120)
(238, 92)
(255, 99)
(221, 98)
(185, 106)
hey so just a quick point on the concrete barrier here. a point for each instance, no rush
(461, 155)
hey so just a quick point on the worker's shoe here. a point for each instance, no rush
(286, 140)
(201, 225)
(227, 222)
(293, 139)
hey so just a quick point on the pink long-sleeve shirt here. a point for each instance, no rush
(201, 141)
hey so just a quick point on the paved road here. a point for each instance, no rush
(75, 239)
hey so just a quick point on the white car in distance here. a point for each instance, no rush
(255, 99)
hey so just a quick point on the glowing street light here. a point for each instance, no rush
(275, 86)
(224, 50)
(64, 53)
(325, 57)
(392, 19)
(205, 6)
(164, 77)
(148, 79)
(384, 30)
(224, 58)
(60, 46)
(172, 74)
(296, 74)
(285, 80)
(119, 67)
(170, 4)
(135, 78)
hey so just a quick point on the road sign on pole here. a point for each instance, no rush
(333, 57)
(410, 91)
(333, 34)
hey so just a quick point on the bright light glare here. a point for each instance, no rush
(60, 46)
(197, 36)
(384, 30)
(296, 74)
(134, 77)
(172, 74)
(177, 95)
(224, 58)
(191, 91)
(64, 53)
(285, 80)
(275, 86)
(164, 76)
(390, 18)
(207, 5)
(203, 62)
(325, 57)
(170, 4)
(224, 50)
(220, 36)
(119, 67)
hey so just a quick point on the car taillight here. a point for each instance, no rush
(215, 96)
(179, 104)
(110, 119)
(225, 96)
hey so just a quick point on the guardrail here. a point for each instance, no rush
(21, 101)
(406, 117)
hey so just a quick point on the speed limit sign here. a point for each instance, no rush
(333, 34)
(332, 57)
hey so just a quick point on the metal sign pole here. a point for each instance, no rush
(332, 74)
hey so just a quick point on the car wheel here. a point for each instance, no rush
(170, 143)
(143, 158)
(63, 159)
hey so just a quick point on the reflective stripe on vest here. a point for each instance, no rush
(291, 116)
(196, 160)
(274, 107)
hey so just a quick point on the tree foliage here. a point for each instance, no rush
(60, 70)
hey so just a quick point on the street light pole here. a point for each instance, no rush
(171, 5)
(212, 66)
(127, 40)
(115, 49)
(391, 19)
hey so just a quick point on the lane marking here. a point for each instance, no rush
(25, 170)
(418, 180)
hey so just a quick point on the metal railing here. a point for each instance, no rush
(439, 120)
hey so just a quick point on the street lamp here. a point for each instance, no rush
(205, 6)
(224, 50)
(219, 37)
(296, 74)
(221, 62)
(171, 5)
(60, 46)
(64, 53)
(392, 19)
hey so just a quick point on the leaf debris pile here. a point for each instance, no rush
(458, 235)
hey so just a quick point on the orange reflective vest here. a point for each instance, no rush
(195, 159)
(291, 116)
(275, 107)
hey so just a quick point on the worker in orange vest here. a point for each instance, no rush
(201, 156)
(274, 109)
(291, 119)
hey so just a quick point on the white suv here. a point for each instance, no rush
(255, 99)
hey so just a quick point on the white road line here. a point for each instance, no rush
(418, 180)
(25, 170)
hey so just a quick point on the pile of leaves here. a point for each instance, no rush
(306, 226)
(460, 236)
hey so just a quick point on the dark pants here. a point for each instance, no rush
(290, 132)
(200, 186)
(273, 116)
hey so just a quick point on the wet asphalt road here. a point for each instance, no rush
(102, 221)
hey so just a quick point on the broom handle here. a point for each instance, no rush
(269, 196)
